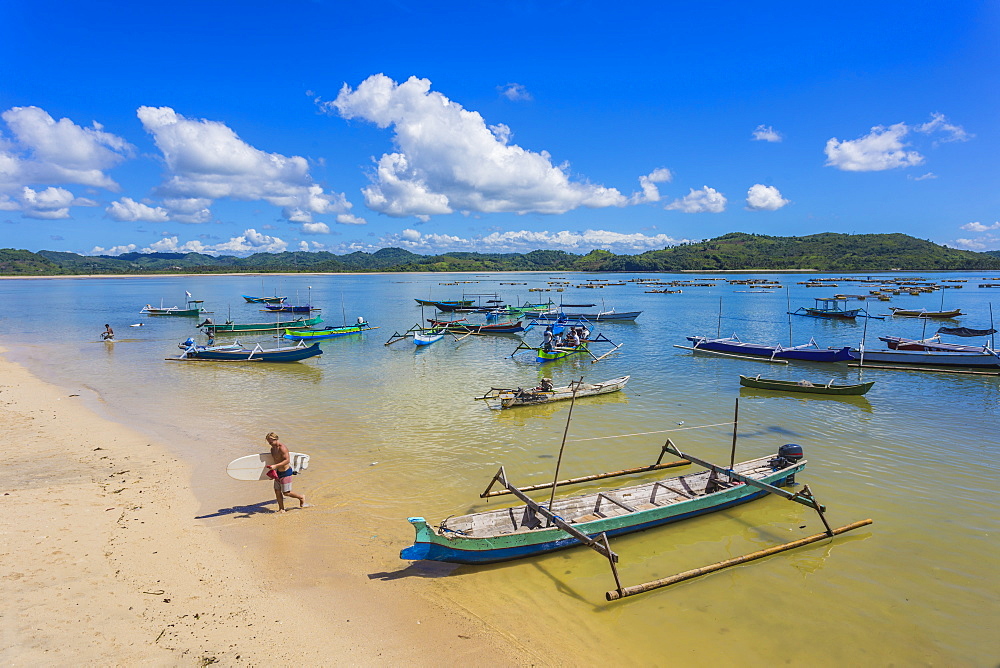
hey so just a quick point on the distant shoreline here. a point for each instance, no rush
(857, 272)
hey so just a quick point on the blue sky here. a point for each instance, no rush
(235, 128)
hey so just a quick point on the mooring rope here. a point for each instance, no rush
(646, 433)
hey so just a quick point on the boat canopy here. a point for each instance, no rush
(965, 331)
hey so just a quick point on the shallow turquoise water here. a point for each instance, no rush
(394, 432)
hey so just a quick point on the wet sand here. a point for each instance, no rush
(104, 562)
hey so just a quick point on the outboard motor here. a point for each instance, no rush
(788, 455)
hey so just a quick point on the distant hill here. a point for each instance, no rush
(821, 252)
(735, 251)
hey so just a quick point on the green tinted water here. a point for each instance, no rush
(394, 432)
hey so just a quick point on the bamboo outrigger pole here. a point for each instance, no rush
(623, 592)
(804, 497)
(588, 478)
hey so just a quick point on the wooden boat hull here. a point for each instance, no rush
(447, 305)
(284, 308)
(452, 546)
(933, 358)
(735, 347)
(246, 355)
(915, 313)
(264, 300)
(929, 345)
(542, 355)
(329, 333)
(463, 327)
(426, 339)
(181, 312)
(511, 399)
(795, 386)
(260, 326)
(605, 316)
(832, 314)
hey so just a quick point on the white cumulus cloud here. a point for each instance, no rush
(650, 193)
(515, 92)
(114, 250)
(247, 243)
(315, 228)
(48, 204)
(127, 209)
(189, 209)
(766, 133)
(979, 227)
(973, 244)
(350, 219)
(208, 161)
(884, 147)
(526, 240)
(706, 200)
(764, 198)
(46, 151)
(448, 159)
(939, 124)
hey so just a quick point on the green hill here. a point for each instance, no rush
(821, 252)
(828, 252)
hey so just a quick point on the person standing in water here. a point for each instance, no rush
(109, 334)
(282, 467)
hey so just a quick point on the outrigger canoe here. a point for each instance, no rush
(264, 300)
(545, 354)
(804, 386)
(522, 531)
(601, 316)
(463, 326)
(327, 333)
(193, 309)
(807, 352)
(227, 326)
(247, 354)
(924, 313)
(989, 359)
(427, 338)
(933, 343)
(498, 398)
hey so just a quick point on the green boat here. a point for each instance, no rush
(522, 531)
(228, 326)
(804, 386)
(328, 333)
(192, 310)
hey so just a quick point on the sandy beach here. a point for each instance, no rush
(104, 563)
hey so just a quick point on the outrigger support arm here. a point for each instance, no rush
(595, 544)
(806, 499)
(656, 466)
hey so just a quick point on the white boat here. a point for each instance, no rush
(931, 344)
(422, 339)
(499, 398)
(989, 359)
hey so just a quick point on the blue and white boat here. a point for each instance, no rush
(806, 352)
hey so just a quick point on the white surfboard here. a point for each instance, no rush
(254, 467)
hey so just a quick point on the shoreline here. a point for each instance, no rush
(108, 564)
(859, 272)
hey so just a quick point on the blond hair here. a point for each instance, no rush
(271, 437)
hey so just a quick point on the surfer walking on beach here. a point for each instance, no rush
(282, 468)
